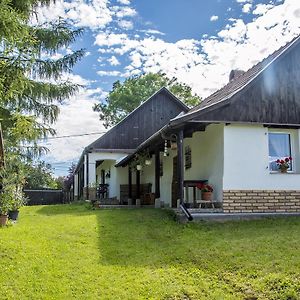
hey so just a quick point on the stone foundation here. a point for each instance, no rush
(259, 201)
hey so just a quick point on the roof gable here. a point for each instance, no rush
(240, 85)
(141, 123)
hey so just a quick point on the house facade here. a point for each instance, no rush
(232, 140)
(97, 163)
(235, 136)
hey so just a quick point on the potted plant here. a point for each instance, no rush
(206, 191)
(284, 164)
(5, 206)
(18, 200)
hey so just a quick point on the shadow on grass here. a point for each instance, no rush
(76, 208)
(149, 237)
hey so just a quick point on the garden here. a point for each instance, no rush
(73, 252)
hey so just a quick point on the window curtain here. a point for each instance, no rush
(279, 148)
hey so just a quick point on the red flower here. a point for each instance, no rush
(278, 161)
(287, 159)
(199, 186)
(290, 158)
(282, 161)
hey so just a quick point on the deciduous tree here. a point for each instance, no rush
(125, 97)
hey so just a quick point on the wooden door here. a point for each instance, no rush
(175, 183)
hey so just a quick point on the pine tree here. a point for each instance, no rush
(30, 90)
(29, 83)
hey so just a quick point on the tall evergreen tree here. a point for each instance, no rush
(29, 83)
(30, 86)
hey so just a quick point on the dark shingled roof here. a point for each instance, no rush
(238, 83)
(141, 123)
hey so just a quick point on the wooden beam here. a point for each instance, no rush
(157, 174)
(180, 166)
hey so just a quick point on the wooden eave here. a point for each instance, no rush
(222, 106)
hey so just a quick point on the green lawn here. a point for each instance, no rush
(71, 252)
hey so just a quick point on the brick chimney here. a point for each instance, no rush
(235, 73)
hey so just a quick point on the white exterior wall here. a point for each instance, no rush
(207, 162)
(85, 170)
(166, 179)
(246, 164)
(207, 148)
(117, 175)
(76, 185)
(148, 174)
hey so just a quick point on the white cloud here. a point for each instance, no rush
(247, 8)
(205, 64)
(125, 12)
(94, 14)
(262, 9)
(125, 24)
(214, 18)
(152, 32)
(244, 1)
(125, 2)
(76, 117)
(113, 61)
(110, 73)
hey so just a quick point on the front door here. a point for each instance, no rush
(174, 183)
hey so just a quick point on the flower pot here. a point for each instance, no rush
(283, 170)
(139, 167)
(13, 215)
(3, 220)
(207, 196)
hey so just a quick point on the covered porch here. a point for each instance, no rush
(176, 161)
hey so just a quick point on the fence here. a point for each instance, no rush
(45, 197)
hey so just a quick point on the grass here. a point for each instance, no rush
(70, 252)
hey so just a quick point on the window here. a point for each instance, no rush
(188, 157)
(279, 148)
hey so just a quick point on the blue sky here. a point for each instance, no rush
(197, 41)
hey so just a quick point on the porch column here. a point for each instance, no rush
(138, 188)
(180, 166)
(129, 186)
(86, 177)
(76, 186)
(157, 179)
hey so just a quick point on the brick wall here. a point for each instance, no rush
(235, 201)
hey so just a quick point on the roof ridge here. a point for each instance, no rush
(270, 57)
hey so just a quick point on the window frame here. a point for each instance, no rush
(291, 146)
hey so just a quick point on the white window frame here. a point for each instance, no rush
(292, 141)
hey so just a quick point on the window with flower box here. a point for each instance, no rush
(279, 149)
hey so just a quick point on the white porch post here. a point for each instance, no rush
(85, 171)
(76, 186)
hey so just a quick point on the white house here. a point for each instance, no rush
(97, 163)
(232, 140)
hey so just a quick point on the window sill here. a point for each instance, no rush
(288, 173)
